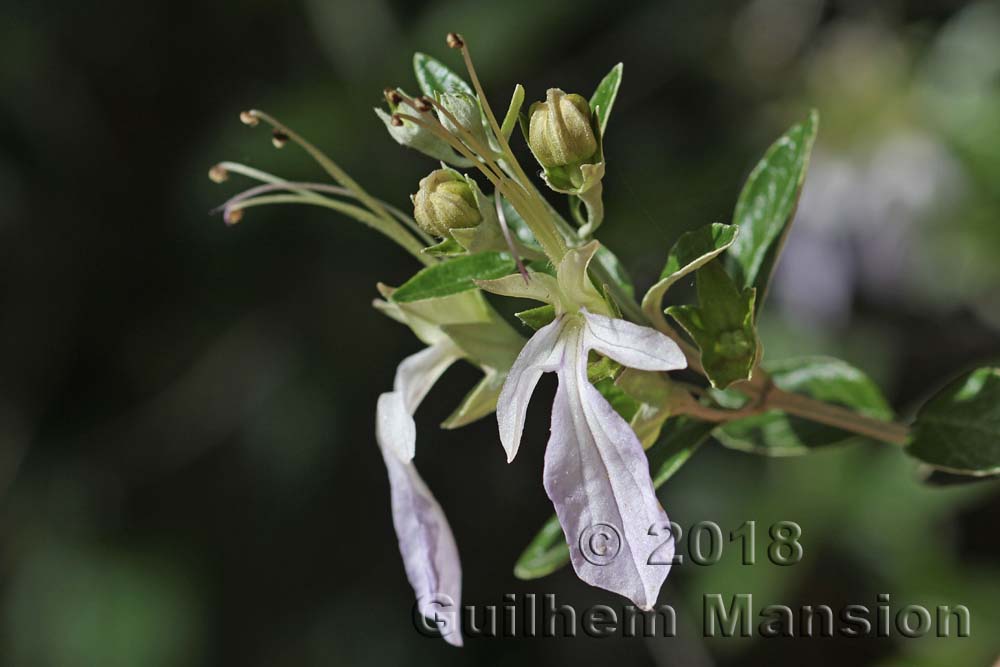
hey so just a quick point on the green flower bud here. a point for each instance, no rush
(466, 110)
(445, 201)
(560, 133)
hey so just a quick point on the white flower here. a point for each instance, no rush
(454, 327)
(596, 472)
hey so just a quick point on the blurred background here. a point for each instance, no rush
(188, 473)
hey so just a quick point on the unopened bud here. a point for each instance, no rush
(454, 40)
(465, 109)
(560, 133)
(279, 139)
(445, 201)
(248, 118)
(218, 173)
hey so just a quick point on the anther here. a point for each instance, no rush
(279, 139)
(392, 96)
(248, 118)
(233, 216)
(396, 120)
(218, 173)
(454, 40)
(423, 104)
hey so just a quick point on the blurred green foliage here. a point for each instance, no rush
(187, 463)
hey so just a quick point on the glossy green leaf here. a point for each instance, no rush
(536, 318)
(766, 206)
(624, 405)
(518, 227)
(445, 248)
(615, 270)
(453, 276)
(435, 78)
(692, 250)
(479, 402)
(776, 433)
(603, 99)
(958, 430)
(721, 326)
(680, 438)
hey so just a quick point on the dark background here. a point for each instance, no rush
(188, 471)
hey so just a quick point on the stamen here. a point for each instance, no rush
(279, 138)
(218, 174)
(508, 238)
(393, 97)
(422, 104)
(247, 118)
(454, 40)
(232, 217)
(396, 120)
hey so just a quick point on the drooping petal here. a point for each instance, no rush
(632, 345)
(597, 476)
(418, 372)
(542, 353)
(427, 545)
(394, 425)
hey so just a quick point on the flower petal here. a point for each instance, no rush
(418, 372)
(427, 546)
(632, 345)
(394, 425)
(542, 353)
(597, 476)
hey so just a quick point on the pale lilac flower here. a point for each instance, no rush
(596, 472)
(454, 327)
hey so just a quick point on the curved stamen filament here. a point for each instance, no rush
(308, 189)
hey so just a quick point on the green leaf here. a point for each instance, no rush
(766, 206)
(692, 250)
(721, 325)
(548, 551)
(776, 433)
(603, 99)
(681, 438)
(536, 318)
(624, 405)
(479, 402)
(435, 78)
(445, 248)
(453, 276)
(494, 343)
(958, 430)
(615, 270)
(516, 223)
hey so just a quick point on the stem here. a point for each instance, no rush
(550, 239)
(834, 415)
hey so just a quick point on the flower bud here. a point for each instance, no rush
(445, 201)
(560, 133)
(465, 109)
